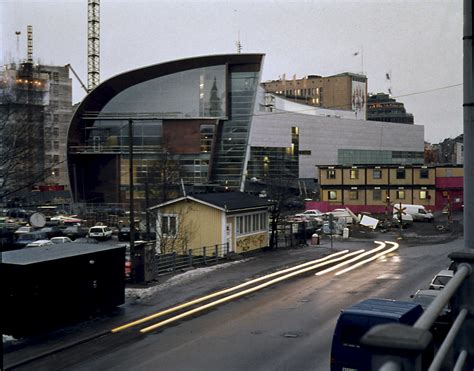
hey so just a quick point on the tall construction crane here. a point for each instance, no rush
(93, 44)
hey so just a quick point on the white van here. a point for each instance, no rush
(100, 232)
(417, 212)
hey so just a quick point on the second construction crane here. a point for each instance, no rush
(93, 44)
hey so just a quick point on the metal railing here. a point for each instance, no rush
(397, 347)
(206, 255)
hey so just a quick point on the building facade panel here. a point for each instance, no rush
(354, 176)
(401, 175)
(197, 110)
(354, 196)
(424, 175)
(324, 137)
(377, 175)
(377, 197)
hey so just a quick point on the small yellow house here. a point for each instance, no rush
(210, 219)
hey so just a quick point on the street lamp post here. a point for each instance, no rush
(132, 207)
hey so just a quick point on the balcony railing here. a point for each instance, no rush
(397, 347)
(102, 148)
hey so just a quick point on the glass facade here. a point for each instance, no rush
(193, 93)
(191, 126)
(377, 157)
(272, 163)
(231, 146)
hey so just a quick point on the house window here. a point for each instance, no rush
(169, 225)
(332, 195)
(423, 173)
(353, 195)
(377, 174)
(423, 195)
(400, 173)
(331, 174)
(251, 223)
(401, 195)
(377, 195)
(354, 174)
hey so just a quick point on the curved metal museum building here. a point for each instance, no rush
(190, 120)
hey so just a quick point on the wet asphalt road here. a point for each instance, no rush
(287, 326)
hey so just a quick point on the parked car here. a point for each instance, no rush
(60, 239)
(100, 232)
(124, 234)
(52, 231)
(26, 238)
(341, 214)
(441, 279)
(425, 298)
(311, 215)
(74, 232)
(40, 243)
(23, 230)
(444, 320)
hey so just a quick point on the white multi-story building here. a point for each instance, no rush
(312, 138)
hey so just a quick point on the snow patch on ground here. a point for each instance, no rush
(8, 339)
(139, 294)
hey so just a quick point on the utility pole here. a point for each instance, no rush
(132, 207)
(468, 106)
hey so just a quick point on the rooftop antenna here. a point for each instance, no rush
(388, 76)
(29, 57)
(93, 44)
(238, 44)
(18, 33)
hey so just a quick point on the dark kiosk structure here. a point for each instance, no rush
(45, 287)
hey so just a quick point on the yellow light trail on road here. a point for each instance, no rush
(225, 291)
(395, 246)
(382, 246)
(242, 293)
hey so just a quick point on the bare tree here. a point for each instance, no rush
(175, 230)
(163, 177)
(279, 192)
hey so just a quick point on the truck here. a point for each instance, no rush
(417, 212)
(354, 322)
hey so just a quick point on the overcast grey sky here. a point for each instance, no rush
(419, 42)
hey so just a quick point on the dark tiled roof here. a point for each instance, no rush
(232, 200)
